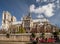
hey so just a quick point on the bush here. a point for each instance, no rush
(55, 33)
(33, 35)
(22, 30)
(42, 35)
(7, 35)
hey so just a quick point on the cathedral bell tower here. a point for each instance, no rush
(27, 22)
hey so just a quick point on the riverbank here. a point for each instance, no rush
(5, 42)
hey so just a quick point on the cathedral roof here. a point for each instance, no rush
(41, 20)
(18, 22)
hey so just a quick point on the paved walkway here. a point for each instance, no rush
(12, 43)
(23, 43)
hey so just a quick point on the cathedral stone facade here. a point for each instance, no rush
(38, 25)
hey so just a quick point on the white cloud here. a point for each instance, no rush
(58, 4)
(21, 18)
(46, 9)
(32, 8)
(45, 1)
(0, 27)
(40, 16)
(57, 1)
(37, 0)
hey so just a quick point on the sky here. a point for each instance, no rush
(18, 8)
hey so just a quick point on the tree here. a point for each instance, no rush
(42, 35)
(55, 34)
(33, 35)
(7, 35)
(22, 30)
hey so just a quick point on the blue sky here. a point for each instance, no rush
(19, 8)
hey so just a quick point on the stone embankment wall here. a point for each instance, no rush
(21, 37)
(15, 37)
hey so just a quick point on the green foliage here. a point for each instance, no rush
(33, 35)
(22, 30)
(59, 30)
(55, 33)
(42, 35)
(7, 35)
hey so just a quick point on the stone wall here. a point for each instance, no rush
(21, 37)
(15, 37)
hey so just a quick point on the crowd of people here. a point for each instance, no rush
(52, 39)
